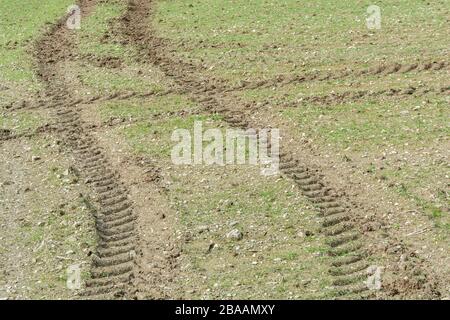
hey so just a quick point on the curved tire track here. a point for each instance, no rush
(346, 246)
(113, 262)
(348, 266)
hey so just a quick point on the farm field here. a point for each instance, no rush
(93, 205)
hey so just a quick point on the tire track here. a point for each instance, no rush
(362, 95)
(348, 264)
(348, 256)
(280, 81)
(113, 263)
(345, 248)
(6, 134)
(379, 70)
(116, 96)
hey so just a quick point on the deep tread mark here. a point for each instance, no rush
(112, 267)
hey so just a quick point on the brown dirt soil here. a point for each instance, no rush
(156, 265)
(45, 227)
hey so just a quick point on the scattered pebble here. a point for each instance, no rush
(234, 223)
(235, 234)
(202, 229)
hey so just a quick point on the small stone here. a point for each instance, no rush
(306, 282)
(235, 234)
(234, 223)
(202, 229)
(35, 158)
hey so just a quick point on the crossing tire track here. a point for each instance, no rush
(346, 248)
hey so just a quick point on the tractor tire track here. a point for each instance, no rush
(116, 96)
(6, 134)
(379, 70)
(113, 263)
(363, 95)
(348, 255)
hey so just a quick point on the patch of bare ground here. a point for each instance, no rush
(45, 225)
(157, 261)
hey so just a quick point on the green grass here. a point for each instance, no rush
(144, 109)
(373, 125)
(111, 81)
(96, 26)
(271, 261)
(413, 183)
(253, 39)
(21, 22)
(228, 203)
(296, 91)
(21, 121)
(154, 138)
